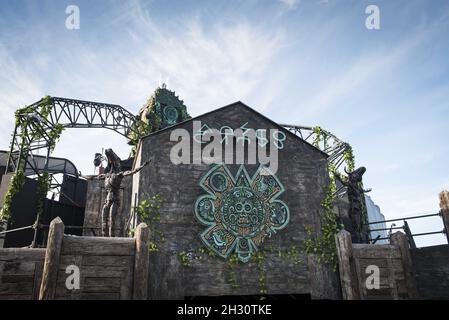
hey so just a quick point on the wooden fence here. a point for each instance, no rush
(393, 262)
(109, 268)
(20, 273)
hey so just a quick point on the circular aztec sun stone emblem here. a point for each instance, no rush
(239, 211)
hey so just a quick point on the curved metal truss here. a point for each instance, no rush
(68, 113)
(71, 113)
(332, 146)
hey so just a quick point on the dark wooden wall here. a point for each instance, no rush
(20, 273)
(396, 280)
(106, 268)
(302, 171)
(431, 268)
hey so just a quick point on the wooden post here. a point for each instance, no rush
(141, 263)
(444, 206)
(51, 264)
(399, 240)
(344, 252)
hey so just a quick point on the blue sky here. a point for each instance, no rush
(302, 62)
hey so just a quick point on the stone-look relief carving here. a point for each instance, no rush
(240, 212)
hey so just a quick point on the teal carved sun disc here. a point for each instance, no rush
(239, 211)
(170, 114)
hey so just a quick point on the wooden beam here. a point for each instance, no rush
(141, 263)
(344, 252)
(51, 264)
(444, 206)
(399, 240)
(97, 246)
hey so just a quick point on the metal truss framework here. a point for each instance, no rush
(71, 113)
(332, 146)
(68, 113)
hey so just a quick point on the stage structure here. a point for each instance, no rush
(37, 125)
(50, 113)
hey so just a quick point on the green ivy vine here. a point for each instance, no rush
(16, 184)
(149, 212)
(43, 185)
(258, 259)
(31, 132)
(232, 263)
(323, 245)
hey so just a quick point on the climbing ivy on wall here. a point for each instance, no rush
(258, 261)
(323, 244)
(163, 108)
(149, 212)
(145, 125)
(16, 184)
(43, 185)
(141, 129)
(25, 119)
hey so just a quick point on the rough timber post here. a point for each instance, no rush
(51, 264)
(344, 252)
(444, 206)
(140, 291)
(399, 239)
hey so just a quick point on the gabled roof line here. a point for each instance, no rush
(232, 105)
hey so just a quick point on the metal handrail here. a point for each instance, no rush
(406, 218)
(405, 227)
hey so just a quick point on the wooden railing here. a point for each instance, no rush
(109, 268)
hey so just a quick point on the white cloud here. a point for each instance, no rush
(290, 4)
(207, 66)
(19, 88)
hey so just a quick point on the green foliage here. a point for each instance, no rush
(140, 130)
(43, 185)
(184, 258)
(232, 263)
(17, 181)
(323, 243)
(292, 254)
(318, 137)
(31, 132)
(259, 259)
(54, 135)
(150, 123)
(348, 157)
(148, 211)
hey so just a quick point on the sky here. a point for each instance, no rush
(310, 63)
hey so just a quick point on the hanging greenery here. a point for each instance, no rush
(232, 263)
(148, 211)
(323, 244)
(30, 131)
(43, 185)
(348, 157)
(17, 181)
